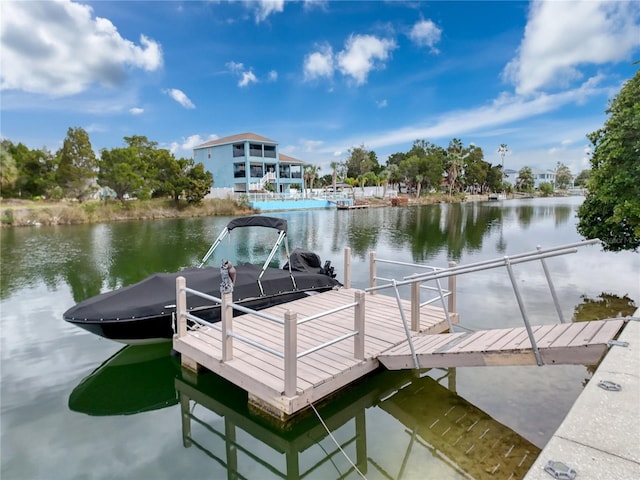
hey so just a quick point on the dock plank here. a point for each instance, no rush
(319, 373)
(570, 343)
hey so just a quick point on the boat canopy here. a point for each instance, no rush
(279, 224)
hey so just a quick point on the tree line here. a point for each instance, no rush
(137, 170)
(429, 167)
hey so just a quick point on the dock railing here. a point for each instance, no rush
(435, 274)
(416, 287)
(290, 323)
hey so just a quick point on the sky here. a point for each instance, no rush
(319, 77)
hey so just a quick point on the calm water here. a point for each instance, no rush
(78, 406)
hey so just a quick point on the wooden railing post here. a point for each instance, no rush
(452, 290)
(226, 315)
(415, 306)
(358, 325)
(290, 353)
(372, 270)
(181, 306)
(347, 267)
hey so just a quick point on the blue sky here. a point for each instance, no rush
(319, 77)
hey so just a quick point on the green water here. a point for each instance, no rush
(74, 405)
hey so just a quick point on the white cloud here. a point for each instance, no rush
(315, 4)
(363, 53)
(479, 122)
(272, 76)
(235, 67)
(247, 79)
(136, 111)
(425, 33)
(382, 103)
(180, 97)
(60, 49)
(319, 64)
(186, 146)
(311, 145)
(561, 37)
(247, 76)
(264, 8)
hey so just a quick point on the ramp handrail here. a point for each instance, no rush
(456, 270)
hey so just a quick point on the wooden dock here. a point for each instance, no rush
(320, 373)
(326, 369)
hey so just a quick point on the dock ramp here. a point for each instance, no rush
(581, 343)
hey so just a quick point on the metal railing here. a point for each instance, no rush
(289, 323)
(456, 270)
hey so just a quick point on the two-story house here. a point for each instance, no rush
(247, 162)
(543, 176)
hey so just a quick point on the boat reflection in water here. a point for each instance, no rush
(399, 425)
(136, 379)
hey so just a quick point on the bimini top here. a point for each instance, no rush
(279, 224)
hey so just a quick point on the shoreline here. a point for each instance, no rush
(30, 213)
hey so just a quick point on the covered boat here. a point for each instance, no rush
(144, 312)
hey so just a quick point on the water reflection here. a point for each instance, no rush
(134, 380)
(95, 258)
(435, 430)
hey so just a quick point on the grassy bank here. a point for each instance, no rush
(21, 213)
(18, 213)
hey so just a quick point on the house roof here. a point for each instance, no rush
(287, 158)
(237, 138)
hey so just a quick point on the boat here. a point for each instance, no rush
(144, 312)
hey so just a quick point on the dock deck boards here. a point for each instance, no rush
(320, 373)
(581, 343)
(325, 371)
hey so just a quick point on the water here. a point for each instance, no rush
(78, 406)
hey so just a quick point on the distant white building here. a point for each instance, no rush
(539, 176)
(543, 176)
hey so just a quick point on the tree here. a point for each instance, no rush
(494, 179)
(8, 168)
(77, 165)
(564, 176)
(361, 161)
(503, 150)
(546, 188)
(309, 175)
(334, 174)
(611, 209)
(120, 171)
(455, 154)
(582, 178)
(170, 178)
(200, 181)
(525, 181)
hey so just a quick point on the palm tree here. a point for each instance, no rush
(309, 174)
(503, 149)
(454, 152)
(334, 175)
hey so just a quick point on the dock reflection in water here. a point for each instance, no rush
(441, 431)
(391, 425)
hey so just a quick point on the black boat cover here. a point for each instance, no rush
(156, 295)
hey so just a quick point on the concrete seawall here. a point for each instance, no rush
(600, 437)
